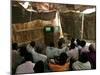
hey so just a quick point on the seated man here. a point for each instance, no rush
(60, 64)
(92, 56)
(36, 52)
(82, 64)
(73, 52)
(16, 57)
(60, 48)
(30, 46)
(27, 66)
(39, 67)
(51, 51)
(38, 55)
(84, 48)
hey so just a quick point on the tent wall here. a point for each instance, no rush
(71, 25)
(21, 15)
(26, 32)
(90, 26)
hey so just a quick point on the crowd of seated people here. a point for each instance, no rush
(30, 58)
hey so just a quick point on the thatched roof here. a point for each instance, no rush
(43, 11)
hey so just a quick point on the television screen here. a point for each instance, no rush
(48, 29)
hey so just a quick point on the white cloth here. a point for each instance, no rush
(51, 52)
(59, 51)
(84, 49)
(29, 48)
(26, 67)
(73, 53)
(36, 56)
(81, 66)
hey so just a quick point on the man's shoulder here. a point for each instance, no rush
(42, 55)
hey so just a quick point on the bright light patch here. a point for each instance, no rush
(25, 5)
(88, 11)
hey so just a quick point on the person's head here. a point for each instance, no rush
(62, 40)
(60, 44)
(72, 40)
(62, 58)
(83, 57)
(72, 46)
(23, 50)
(92, 48)
(38, 49)
(28, 57)
(78, 41)
(32, 43)
(51, 44)
(82, 43)
(39, 67)
(14, 46)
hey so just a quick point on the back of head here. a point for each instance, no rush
(28, 57)
(23, 50)
(83, 57)
(62, 58)
(92, 48)
(82, 43)
(51, 44)
(78, 42)
(60, 44)
(72, 40)
(72, 46)
(38, 49)
(32, 43)
(14, 46)
(62, 40)
(39, 67)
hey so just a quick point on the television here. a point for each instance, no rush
(48, 29)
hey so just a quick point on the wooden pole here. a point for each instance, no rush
(82, 27)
